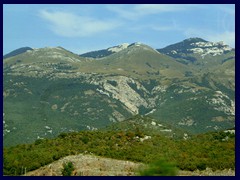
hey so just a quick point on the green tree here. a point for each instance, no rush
(68, 168)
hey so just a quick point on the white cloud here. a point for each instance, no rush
(159, 8)
(152, 27)
(137, 11)
(71, 25)
(124, 12)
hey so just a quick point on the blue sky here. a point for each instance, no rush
(86, 27)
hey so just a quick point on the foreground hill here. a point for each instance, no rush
(214, 150)
(91, 165)
(88, 165)
(48, 91)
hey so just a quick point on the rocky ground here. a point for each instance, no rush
(208, 172)
(90, 165)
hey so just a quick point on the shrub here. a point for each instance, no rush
(38, 141)
(201, 166)
(68, 168)
(159, 168)
(62, 135)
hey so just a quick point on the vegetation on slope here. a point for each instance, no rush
(68, 168)
(214, 150)
(159, 168)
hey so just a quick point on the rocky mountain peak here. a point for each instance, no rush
(128, 46)
(119, 47)
(196, 46)
(141, 46)
(194, 39)
(54, 53)
(209, 48)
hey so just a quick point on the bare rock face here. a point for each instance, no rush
(123, 92)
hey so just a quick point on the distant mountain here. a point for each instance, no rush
(105, 52)
(16, 52)
(59, 91)
(181, 47)
(192, 49)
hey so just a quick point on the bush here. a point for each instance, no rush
(159, 168)
(201, 166)
(38, 141)
(68, 168)
(62, 135)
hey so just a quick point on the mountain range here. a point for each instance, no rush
(189, 86)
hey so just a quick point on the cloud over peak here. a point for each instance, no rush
(71, 25)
